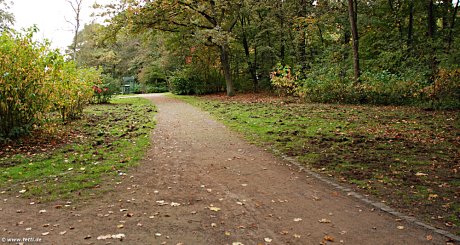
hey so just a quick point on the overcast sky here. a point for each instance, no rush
(50, 17)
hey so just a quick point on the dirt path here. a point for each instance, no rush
(202, 184)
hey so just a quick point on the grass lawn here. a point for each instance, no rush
(73, 158)
(406, 157)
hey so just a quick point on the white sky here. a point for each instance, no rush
(50, 17)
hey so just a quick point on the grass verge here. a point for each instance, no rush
(109, 139)
(406, 157)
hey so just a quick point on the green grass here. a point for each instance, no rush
(379, 150)
(106, 142)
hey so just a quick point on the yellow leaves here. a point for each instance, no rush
(36, 80)
(215, 209)
(432, 196)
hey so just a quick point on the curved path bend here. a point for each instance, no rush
(201, 183)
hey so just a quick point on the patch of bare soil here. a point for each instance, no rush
(262, 97)
(202, 184)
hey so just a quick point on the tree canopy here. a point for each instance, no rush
(408, 50)
(6, 17)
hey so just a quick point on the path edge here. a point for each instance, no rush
(378, 205)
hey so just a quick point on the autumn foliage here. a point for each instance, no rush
(36, 81)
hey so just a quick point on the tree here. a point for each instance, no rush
(353, 13)
(452, 25)
(6, 17)
(76, 8)
(211, 22)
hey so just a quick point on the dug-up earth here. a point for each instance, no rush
(203, 184)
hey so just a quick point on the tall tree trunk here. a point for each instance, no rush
(432, 46)
(76, 7)
(445, 11)
(251, 66)
(452, 25)
(302, 40)
(224, 59)
(352, 12)
(431, 20)
(411, 24)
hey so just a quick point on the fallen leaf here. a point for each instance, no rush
(420, 174)
(175, 204)
(328, 238)
(296, 236)
(161, 203)
(118, 236)
(157, 234)
(227, 233)
(42, 211)
(324, 221)
(429, 237)
(237, 243)
(28, 229)
(22, 191)
(104, 237)
(297, 219)
(268, 240)
(62, 232)
(432, 196)
(120, 226)
(215, 209)
(400, 227)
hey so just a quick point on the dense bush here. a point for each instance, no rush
(102, 94)
(74, 89)
(191, 81)
(325, 85)
(34, 81)
(445, 91)
(284, 82)
(155, 88)
(25, 83)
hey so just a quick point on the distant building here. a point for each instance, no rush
(128, 85)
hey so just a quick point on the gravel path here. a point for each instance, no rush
(202, 184)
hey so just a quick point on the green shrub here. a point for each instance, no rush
(190, 81)
(35, 80)
(25, 82)
(284, 81)
(445, 92)
(384, 88)
(158, 88)
(74, 89)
